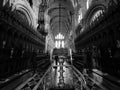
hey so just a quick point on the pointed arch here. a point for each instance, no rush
(91, 12)
(23, 6)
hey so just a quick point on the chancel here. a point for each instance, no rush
(59, 44)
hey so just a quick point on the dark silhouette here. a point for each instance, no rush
(56, 59)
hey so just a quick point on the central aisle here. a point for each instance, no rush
(62, 75)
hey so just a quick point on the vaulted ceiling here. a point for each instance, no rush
(64, 14)
(60, 12)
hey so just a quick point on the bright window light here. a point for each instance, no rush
(87, 5)
(63, 44)
(59, 41)
(59, 44)
(97, 14)
(59, 36)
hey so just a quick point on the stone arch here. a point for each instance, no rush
(91, 12)
(23, 6)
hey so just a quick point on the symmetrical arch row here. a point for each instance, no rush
(97, 47)
(19, 42)
(24, 7)
(97, 11)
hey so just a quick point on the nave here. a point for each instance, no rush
(58, 77)
(59, 44)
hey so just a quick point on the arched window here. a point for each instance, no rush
(97, 14)
(59, 41)
(63, 44)
(80, 16)
(88, 3)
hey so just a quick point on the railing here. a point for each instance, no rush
(35, 82)
(13, 78)
(104, 80)
(81, 79)
(42, 83)
(26, 82)
(94, 82)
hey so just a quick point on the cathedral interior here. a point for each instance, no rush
(59, 44)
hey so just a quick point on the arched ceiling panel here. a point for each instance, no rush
(59, 19)
(60, 14)
(63, 25)
(24, 7)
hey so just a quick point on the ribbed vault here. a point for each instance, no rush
(60, 12)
